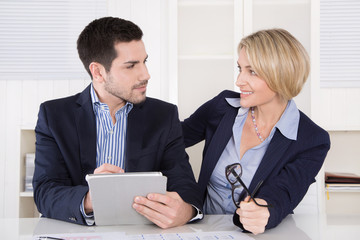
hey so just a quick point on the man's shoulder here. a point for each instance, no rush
(59, 102)
(68, 101)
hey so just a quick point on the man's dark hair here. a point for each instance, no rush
(96, 42)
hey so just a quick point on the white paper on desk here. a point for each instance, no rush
(191, 236)
(227, 235)
(83, 236)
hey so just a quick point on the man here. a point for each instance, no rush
(111, 127)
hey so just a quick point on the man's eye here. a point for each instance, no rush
(130, 66)
(239, 68)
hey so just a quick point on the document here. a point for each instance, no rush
(81, 236)
(192, 236)
(226, 235)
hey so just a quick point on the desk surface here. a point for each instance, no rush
(294, 227)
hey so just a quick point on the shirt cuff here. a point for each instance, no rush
(198, 216)
(89, 218)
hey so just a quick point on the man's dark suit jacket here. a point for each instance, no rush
(287, 168)
(66, 152)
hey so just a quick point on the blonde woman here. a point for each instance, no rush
(261, 153)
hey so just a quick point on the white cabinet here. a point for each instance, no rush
(343, 157)
(27, 207)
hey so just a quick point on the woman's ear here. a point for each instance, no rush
(97, 71)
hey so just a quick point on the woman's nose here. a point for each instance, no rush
(240, 81)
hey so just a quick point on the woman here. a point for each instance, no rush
(261, 153)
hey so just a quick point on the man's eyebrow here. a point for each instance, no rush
(135, 62)
(131, 62)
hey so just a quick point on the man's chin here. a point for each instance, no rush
(138, 101)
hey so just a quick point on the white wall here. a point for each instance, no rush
(20, 100)
(158, 19)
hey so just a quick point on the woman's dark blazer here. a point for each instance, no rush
(287, 168)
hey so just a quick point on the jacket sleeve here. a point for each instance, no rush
(55, 194)
(196, 126)
(289, 182)
(176, 166)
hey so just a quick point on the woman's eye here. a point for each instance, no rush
(252, 72)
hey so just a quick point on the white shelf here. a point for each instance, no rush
(26, 194)
(343, 190)
(30, 126)
(27, 207)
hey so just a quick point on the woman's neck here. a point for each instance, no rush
(269, 115)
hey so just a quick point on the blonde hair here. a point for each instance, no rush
(279, 59)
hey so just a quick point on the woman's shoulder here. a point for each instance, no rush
(308, 128)
(220, 99)
(229, 94)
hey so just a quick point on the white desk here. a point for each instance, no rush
(294, 227)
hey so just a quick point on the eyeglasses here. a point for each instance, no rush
(233, 173)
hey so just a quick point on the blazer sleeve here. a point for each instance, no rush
(205, 119)
(295, 172)
(55, 193)
(176, 165)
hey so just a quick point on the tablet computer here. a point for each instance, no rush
(112, 195)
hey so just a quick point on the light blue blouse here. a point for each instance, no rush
(218, 199)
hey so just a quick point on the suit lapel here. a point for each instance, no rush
(276, 149)
(217, 145)
(86, 128)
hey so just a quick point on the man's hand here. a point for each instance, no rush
(105, 168)
(108, 168)
(253, 217)
(164, 210)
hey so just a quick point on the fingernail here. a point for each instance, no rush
(137, 199)
(150, 196)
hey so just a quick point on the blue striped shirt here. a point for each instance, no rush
(110, 138)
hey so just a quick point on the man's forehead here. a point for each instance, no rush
(130, 51)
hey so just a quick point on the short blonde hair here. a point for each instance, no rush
(278, 58)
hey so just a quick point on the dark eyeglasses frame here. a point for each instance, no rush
(230, 170)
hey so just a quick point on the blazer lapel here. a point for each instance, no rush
(217, 145)
(275, 151)
(86, 127)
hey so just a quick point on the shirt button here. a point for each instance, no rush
(109, 157)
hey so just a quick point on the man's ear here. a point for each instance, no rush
(97, 71)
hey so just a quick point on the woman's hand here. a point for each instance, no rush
(253, 217)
